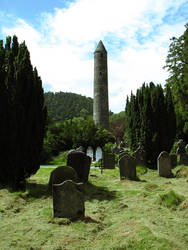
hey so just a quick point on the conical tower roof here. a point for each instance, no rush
(100, 47)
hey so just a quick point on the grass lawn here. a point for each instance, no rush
(148, 214)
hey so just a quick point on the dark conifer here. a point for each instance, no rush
(22, 114)
(150, 119)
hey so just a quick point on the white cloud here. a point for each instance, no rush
(62, 48)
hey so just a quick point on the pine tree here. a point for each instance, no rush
(22, 114)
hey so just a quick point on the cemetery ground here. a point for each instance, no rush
(148, 214)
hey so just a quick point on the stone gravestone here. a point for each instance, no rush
(164, 164)
(140, 156)
(122, 154)
(108, 161)
(181, 151)
(98, 153)
(173, 159)
(68, 200)
(61, 174)
(87, 164)
(90, 152)
(80, 162)
(127, 167)
(81, 148)
(181, 147)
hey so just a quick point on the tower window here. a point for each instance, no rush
(101, 55)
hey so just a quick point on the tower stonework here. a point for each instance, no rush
(100, 104)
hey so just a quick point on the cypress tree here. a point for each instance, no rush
(22, 114)
(150, 119)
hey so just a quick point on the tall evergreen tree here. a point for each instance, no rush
(177, 65)
(22, 114)
(150, 119)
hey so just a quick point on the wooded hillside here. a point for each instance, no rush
(64, 106)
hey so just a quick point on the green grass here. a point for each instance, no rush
(170, 199)
(118, 214)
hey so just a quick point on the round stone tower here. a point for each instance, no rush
(100, 105)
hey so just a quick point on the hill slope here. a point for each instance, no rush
(63, 105)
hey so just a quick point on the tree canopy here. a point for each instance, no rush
(177, 65)
(62, 136)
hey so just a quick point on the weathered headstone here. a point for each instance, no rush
(87, 164)
(181, 151)
(98, 153)
(164, 164)
(122, 154)
(61, 174)
(81, 148)
(140, 156)
(127, 167)
(68, 200)
(108, 161)
(90, 152)
(173, 159)
(181, 147)
(80, 162)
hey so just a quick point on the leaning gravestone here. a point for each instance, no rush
(90, 152)
(108, 161)
(61, 174)
(127, 167)
(68, 200)
(98, 153)
(80, 162)
(164, 164)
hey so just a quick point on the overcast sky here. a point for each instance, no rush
(62, 35)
